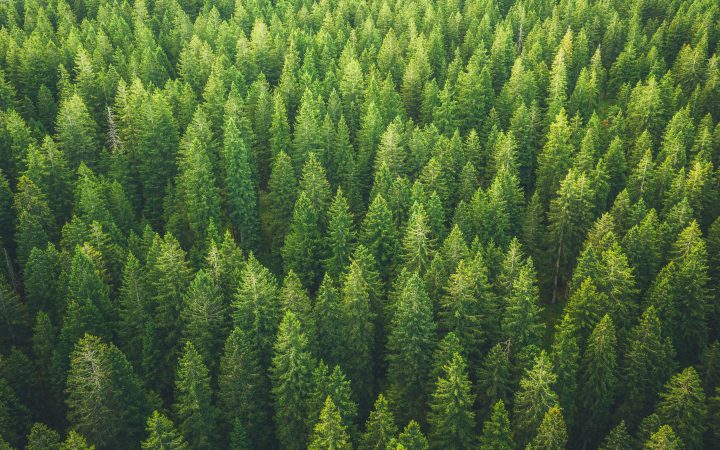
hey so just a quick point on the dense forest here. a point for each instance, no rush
(369, 224)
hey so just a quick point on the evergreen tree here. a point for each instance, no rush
(378, 235)
(205, 318)
(357, 334)
(410, 344)
(34, 222)
(243, 389)
(105, 399)
(291, 374)
(43, 438)
(534, 398)
(412, 437)
(496, 433)
(239, 189)
(552, 433)
(340, 236)
(664, 439)
(682, 407)
(648, 364)
(77, 133)
(256, 309)
(451, 419)
(617, 439)
(282, 192)
(329, 433)
(162, 434)
(599, 366)
(380, 427)
(193, 406)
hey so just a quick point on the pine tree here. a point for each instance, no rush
(333, 384)
(256, 309)
(243, 389)
(134, 308)
(357, 334)
(534, 398)
(105, 399)
(552, 433)
(327, 313)
(240, 195)
(418, 244)
(494, 376)
(162, 434)
(682, 407)
(77, 133)
(169, 277)
(380, 427)
(451, 418)
(14, 316)
(282, 193)
(329, 433)
(554, 159)
(664, 439)
(412, 438)
(569, 218)
(565, 357)
(205, 318)
(340, 236)
(521, 323)
(302, 251)
(617, 439)
(461, 310)
(378, 235)
(193, 406)
(497, 434)
(42, 437)
(410, 343)
(648, 364)
(34, 221)
(47, 167)
(599, 366)
(291, 374)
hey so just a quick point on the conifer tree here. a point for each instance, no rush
(378, 235)
(410, 344)
(239, 189)
(664, 439)
(617, 439)
(256, 309)
(193, 406)
(162, 435)
(451, 419)
(380, 427)
(534, 398)
(243, 389)
(282, 192)
(682, 407)
(340, 236)
(330, 433)
(412, 437)
(552, 433)
(291, 374)
(494, 376)
(105, 399)
(77, 133)
(34, 221)
(497, 434)
(205, 318)
(357, 334)
(599, 366)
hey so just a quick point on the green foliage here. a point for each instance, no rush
(193, 407)
(105, 399)
(451, 418)
(162, 434)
